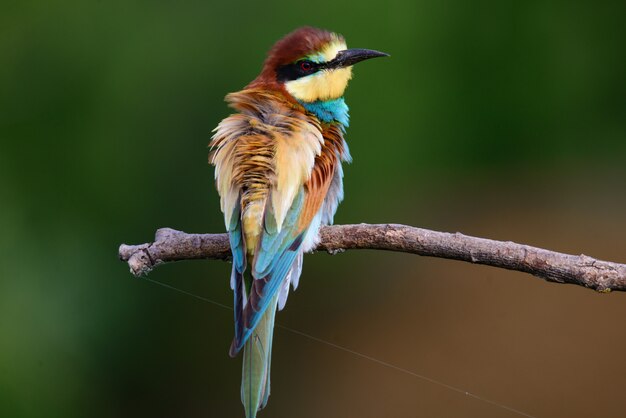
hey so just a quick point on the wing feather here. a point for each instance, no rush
(275, 168)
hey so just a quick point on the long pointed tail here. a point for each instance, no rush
(257, 357)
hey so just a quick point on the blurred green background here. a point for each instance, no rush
(499, 119)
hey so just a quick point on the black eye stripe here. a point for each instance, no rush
(297, 70)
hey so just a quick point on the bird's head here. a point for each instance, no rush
(312, 64)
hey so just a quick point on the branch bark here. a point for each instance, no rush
(604, 276)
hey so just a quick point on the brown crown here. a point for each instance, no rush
(291, 47)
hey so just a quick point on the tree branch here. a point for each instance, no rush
(603, 276)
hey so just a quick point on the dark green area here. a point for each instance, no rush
(488, 117)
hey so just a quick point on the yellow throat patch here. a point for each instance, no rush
(325, 84)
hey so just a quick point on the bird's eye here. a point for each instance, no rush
(306, 66)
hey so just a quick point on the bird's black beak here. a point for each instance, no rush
(350, 57)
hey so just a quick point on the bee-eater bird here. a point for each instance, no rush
(278, 173)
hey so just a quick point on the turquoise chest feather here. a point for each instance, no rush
(329, 111)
